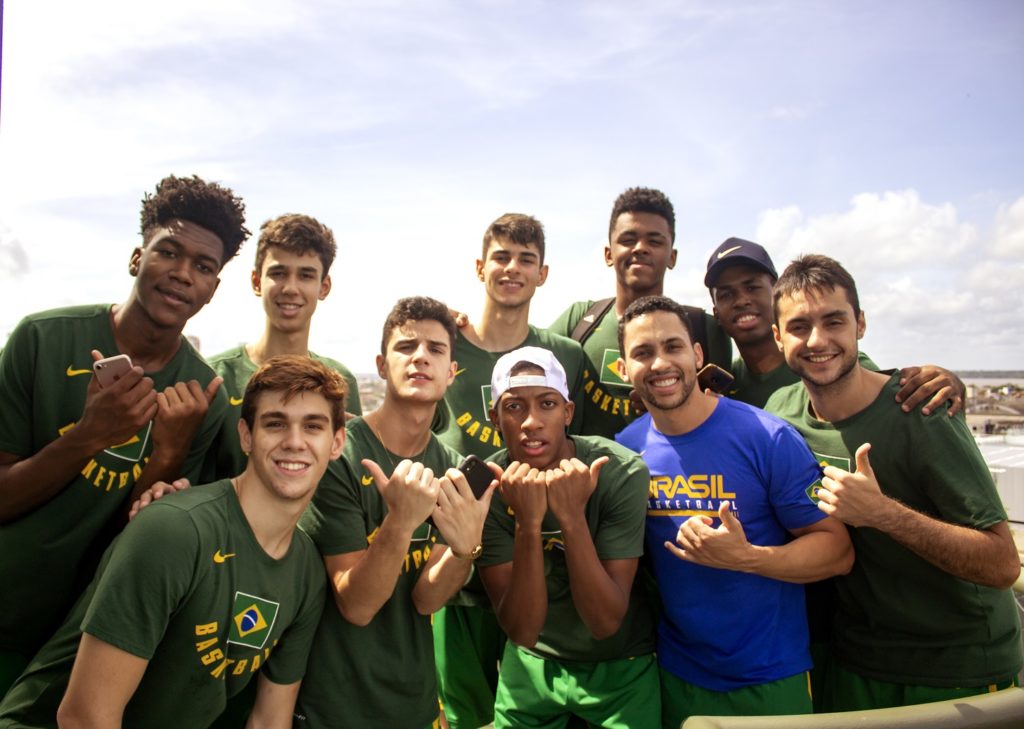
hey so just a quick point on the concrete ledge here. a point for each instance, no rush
(999, 710)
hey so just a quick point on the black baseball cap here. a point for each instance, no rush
(735, 251)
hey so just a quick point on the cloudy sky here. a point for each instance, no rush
(879, 133)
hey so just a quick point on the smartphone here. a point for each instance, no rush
(714, 378)
(109, 369)
(477, 473)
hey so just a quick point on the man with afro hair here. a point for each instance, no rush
(74, 453)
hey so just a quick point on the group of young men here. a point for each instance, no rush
(347, 561)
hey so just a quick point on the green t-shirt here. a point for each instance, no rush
(607, 407)
(466, 425)
(900, 618)
(616, 516)
(755, 389)
(45, 369)
(380, 675)
(187, 587)
(226, 460)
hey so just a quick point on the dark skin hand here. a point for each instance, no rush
(930, 381)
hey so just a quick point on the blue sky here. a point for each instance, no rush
(884, 134)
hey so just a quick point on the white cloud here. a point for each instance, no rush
(934, 288)
(1009, 233)
(892, 230)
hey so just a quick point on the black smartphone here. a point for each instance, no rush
(714, 378)
(477, 473)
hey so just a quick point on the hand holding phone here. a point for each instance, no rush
(714, 378)
(109, 369)
(478, 474)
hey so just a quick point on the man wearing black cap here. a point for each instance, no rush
(740, 277)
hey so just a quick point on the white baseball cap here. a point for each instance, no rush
(503, 380)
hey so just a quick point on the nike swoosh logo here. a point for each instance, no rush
(367, 480)
(219, 558)
(235, 400)
(727, 251)
(72, 372)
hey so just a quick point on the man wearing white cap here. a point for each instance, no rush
(561, 545)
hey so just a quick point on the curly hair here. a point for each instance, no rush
(206, 204)
(644, 200)
(418, 308)
(298, 234)
(649, 305)
(525, 230)
(292, 374)
(815, 273)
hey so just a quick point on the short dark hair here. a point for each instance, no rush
(814, 272)
(298, 234)
(644, 200)
(292, 374)
(647, 305)
(206, 204)
(418, 308)
(525, 230)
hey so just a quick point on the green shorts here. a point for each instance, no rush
(680, 699)
(468, 643)
(847, 690)
(535, 693)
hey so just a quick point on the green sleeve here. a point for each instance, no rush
(196, 466)
(953, 472)
(16, 369)
(148, 574)
(352, 402)
(623, 507)
(569, 318)
(287, 663)
(334, 519)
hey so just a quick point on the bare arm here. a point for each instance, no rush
(363, 581)
(930, 381)
(600, 589)
(985, 556)
(111, 415)
(819, 551)
(460, 519)
(517, 589)
(103, 680)
(275, 705)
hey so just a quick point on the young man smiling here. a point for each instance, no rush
(926, 613)
(291, 275)
(732, 531)
(641, 249)
(561, 547)
(73, 453)
(205, 588)
(388, 566)
(467, 639)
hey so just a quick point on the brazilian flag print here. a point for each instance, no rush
(610, 369)
(252, 620)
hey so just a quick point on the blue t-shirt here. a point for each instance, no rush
(719, 629)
